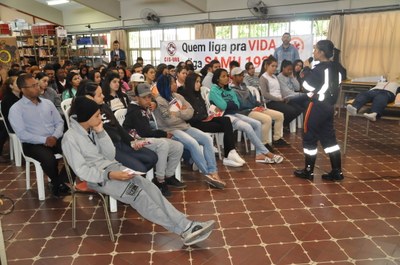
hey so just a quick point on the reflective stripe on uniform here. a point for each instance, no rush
(325, 86)
(308, 87)
(332, 149)
(311, 152)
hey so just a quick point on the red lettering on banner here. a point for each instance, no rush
(261, 45)
(272, 44)
(208, 59)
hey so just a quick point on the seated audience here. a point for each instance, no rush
(297, 72)
(39, 126)
(171, 114)
(209, 123)
(250, 107)
(290, 87)
(169, 152)
(11, 94)
(60, 81)
(226, 100)
(112, 90)
(92, 159)
(272, 93)
(250, 78)
(135, 80)
(48, 92)
(95, 76)
(71, 86)
(128, 152)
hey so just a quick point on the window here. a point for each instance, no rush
(317, 27)
(146, 43)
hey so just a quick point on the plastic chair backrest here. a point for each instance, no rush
(120, 115)
(66, 107)
(205, 92)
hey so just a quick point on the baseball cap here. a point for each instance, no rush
(143, 89)
(237, 71)
(136, 77)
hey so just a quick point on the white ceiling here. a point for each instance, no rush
(105, 14)
(72, 5)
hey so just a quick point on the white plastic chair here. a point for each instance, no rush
(120, 115)
(38, 170)
(15, 152)
(66, 106)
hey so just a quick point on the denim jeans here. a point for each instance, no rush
(379, 98)
(252, 128)
(192, 140)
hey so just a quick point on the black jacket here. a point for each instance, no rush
(8, 100)
(198, 104)
(137, 118)
(112, 127)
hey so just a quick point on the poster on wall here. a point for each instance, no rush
(8, 51)
(253, 50)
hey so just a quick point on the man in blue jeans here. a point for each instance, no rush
(380, 95)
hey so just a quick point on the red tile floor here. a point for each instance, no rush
(265, 216)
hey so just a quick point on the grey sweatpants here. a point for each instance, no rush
(169, 154)
(147, 199)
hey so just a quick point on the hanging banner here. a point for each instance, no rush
(253, 50)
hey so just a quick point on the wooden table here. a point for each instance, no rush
(354, 88)
(391, 108)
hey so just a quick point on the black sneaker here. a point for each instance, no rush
(280, 142)
(304, 174)
(270, 148)
(174, 182)
(163, 187)
(60, 190)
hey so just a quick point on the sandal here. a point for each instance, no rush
(276, 159)
(210, 179)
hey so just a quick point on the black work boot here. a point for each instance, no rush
(308, 171)
(336, 162)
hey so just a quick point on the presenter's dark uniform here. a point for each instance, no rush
(322, 85)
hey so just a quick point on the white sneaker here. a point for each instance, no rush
(195, 167)
(277, 159)
(370, 116)
(197, 232)
(231, 163)
(351, 110)
(233, 155)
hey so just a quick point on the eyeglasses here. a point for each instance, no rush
(32, 86)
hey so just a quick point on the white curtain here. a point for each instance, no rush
(369, 43)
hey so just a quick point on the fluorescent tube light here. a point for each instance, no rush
(57, 2)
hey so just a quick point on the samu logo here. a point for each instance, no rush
(171, 49)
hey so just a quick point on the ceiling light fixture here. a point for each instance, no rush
(57, 2)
